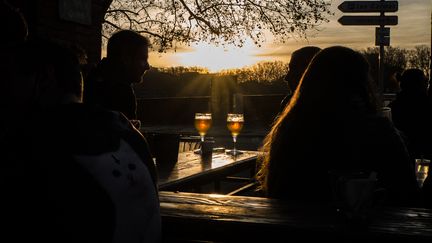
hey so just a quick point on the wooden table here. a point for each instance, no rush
(191, 170)
(221, 218)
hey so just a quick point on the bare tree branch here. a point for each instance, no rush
(216, 21)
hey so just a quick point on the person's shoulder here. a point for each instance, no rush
(87, 128)
(78, 116)
(99, 113)
(114, 119)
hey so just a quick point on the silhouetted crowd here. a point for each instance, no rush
(73, 171)
(72, 156)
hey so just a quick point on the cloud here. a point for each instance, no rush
(414, 28)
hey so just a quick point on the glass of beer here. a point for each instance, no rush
(235, 124)
(203, 122)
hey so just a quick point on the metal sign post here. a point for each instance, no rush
(381, 58)
(382, 33)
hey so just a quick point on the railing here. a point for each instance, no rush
(258, 109)
(262, 109)
(171, 110)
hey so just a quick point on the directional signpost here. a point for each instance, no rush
(382, 36)
(368, 6)
(368, 20)
(382, 33)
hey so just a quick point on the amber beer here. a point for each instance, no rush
(235, 126)
(202, 123)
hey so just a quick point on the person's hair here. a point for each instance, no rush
(413, 80)
(301, 58)
(125, 42)
(336, 82)
(306, 53)
(15, 28)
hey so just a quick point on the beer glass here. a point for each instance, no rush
(203, 123)
(235, 124)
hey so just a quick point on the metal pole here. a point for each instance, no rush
(381, 63)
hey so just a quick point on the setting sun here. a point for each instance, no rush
(219, 58)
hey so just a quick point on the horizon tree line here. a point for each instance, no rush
(396, 60)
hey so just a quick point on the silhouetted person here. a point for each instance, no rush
(430, 93)
(12, 45)
(427, 185)
(14, 30)
(430, 90)
(332, 124)
(300, 60)
(81, 53)
(109, 85)
(82, 173)
(427, 189)
(412, 112)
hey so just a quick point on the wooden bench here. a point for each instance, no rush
(192, 217)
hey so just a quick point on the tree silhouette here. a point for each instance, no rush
(396, 60)
(168, 22)
(419, 57)
(178, 70)
(262, 72)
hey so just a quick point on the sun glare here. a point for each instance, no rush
(219, 58)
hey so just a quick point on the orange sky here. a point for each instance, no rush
(414, 28)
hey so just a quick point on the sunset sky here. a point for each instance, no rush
(414, 28)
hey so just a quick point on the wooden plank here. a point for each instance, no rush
(195, 216)
(248, 187)
(191, 170)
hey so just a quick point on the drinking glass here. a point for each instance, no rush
(235, 124)
(422, 170)
(203, 123)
